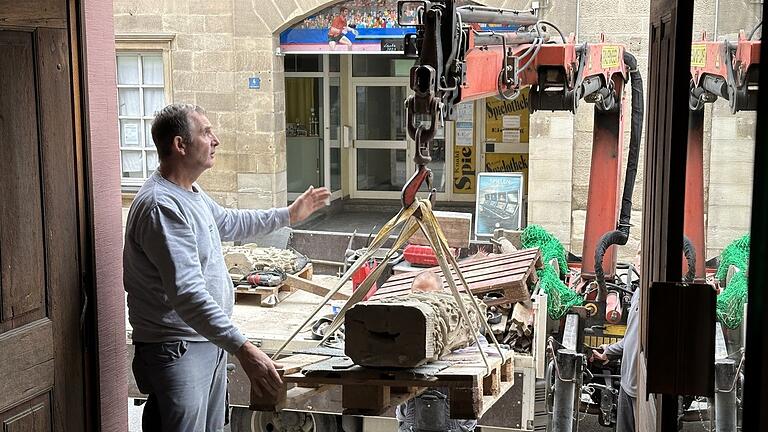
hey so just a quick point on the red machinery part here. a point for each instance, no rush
(613, 309)
(359, 276)
(423, 256)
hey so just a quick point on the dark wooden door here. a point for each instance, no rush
(41, 348)
(665, 159)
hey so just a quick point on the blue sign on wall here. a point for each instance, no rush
(254, 83)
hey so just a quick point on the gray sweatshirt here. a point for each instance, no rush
(628, 346)
(173, 269)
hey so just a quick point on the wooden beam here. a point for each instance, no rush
(312, 287)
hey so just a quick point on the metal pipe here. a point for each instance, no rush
(566, 365)
(486, 15)
(511, 38)
(725, 395)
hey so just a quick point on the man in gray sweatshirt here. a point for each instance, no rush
(180, 296)
(627, 349)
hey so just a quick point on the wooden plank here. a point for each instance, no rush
(60, 204)
(297, 362)
(456, 226)
(466, 402)
(471, 274)
(33, 14)
(492, 383)
(365, 398)
(22, 280)
(30, 416)
(312, 287)
(27, 357)
(487, 262)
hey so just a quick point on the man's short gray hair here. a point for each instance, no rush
(170, 122)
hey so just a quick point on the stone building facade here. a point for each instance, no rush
(212, 48)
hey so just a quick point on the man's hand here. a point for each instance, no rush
(600, 355)
(307, 203)
(261, 370)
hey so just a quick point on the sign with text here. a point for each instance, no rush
(508, 162)
(355, 27)
(498, 202)
(507, 121)
(464, 171)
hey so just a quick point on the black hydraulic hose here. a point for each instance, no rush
(635, 134)
(621, 234)
(690, 258)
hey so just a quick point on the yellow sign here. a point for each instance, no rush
(464, 171)
(698, 55)
(610, 57)
(507, 121)
(508, 162)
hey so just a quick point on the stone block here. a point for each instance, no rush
(544, 212)
(730, 173)
(137, 23)
(254, 44)
(175, 7)
(281, 181)
(218, 24)
(723, 127)
(254, 201)
(252, 61)
(561, 126)
(246, 163)
(266, 163)
(731, 216)
(580, 196)
(226, 162)
(539, 126)
(730, 194)
(559, 149)
(224, 199)
(182, 62)
(554, 169)
(247, 22)
(206, 7)
(254, 183)
(212, 61)
(175, 24)
(214, 180)
(184, 97)
(585, 117)
(216, 101)
(549, 191)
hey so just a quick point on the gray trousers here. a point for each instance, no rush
(625, 415)
(186, 383)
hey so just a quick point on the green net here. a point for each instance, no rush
(730, 302)
(559, 297)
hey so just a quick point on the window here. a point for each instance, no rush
(141, 89)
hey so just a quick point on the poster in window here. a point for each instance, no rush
(358, 27)
(507, 121)
(508, 162)
(464, 160)
(498, 202)
(130, 134)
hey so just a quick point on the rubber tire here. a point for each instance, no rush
(326, 423)
(241, 419)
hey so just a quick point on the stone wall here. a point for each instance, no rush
(219, 45)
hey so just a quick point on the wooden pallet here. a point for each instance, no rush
(268, 296)
(368, 391)
(509, 275)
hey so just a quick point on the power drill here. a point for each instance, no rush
(268, 279)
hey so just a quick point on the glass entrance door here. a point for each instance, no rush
(305, 151)
(380, 164)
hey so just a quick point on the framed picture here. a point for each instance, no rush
(499, 199)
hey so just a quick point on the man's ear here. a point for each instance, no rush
(179, 146)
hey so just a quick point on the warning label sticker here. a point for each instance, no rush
(610, 57)
(698, 55)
